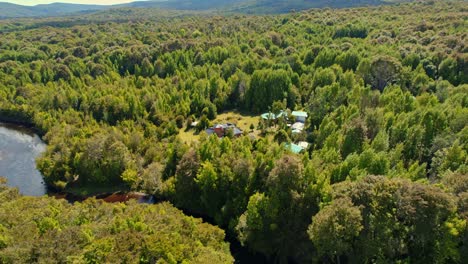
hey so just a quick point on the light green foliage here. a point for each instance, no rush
(385, 89)
(47, 230)
(50, 230)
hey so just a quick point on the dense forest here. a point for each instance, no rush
(47, 230)
(385, 178)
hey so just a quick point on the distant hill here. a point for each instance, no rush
(8, 10)
(284, 6)
(190, 4)
(253, 6)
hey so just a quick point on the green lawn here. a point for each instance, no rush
(188, 136)
(241, 121)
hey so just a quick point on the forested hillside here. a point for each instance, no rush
(384, 178)
(8, 10)
(285, 6)
(256, 6)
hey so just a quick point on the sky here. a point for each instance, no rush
(95, 2)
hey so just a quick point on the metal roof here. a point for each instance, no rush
(294, 148)
(273, 116)
(299, 113)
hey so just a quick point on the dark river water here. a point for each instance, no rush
(19, 148)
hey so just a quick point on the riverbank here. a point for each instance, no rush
(115, 197)
(15, 123)
(240, 253)
(109, 194)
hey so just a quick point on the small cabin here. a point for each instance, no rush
(300, 116)
(297, 127)
(221, 129)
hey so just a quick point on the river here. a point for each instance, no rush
(19, 148)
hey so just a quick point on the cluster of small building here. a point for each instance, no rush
(300, 118)
(222, 130)
(297, 127)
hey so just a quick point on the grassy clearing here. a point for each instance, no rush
(188, 136)
(241, 121)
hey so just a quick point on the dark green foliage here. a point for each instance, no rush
(266, 87)
(281, 136)
(391, 212)
(265, 226)
(381, 72)
(325, 58)
(335, 228)
(351, 31)
(354, 137)
(348, 60)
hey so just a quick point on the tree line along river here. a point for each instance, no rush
(19, 148)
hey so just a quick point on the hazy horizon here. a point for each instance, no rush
(88, 2)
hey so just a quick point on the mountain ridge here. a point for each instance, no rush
(9, 10)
